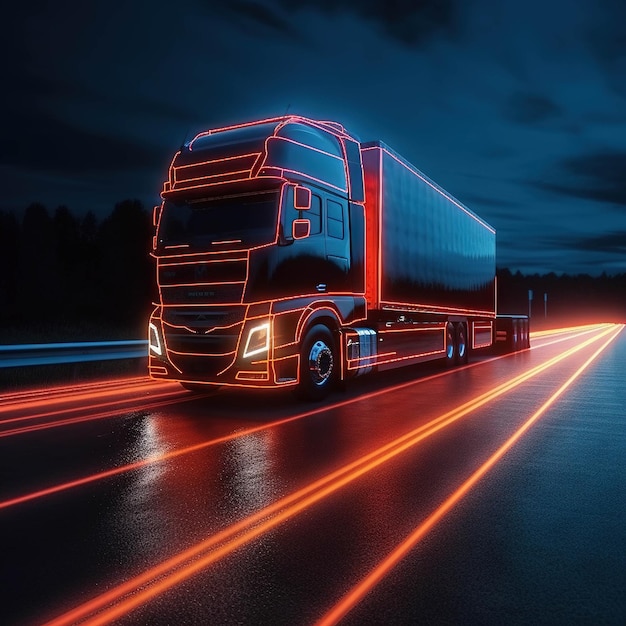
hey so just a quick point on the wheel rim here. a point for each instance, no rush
(461, 346)
(320, 363)
(450, 346)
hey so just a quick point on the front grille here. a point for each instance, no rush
(202, 340)
(203, 294)
(201, 319)
(203, 282)
(217, 343)
(201, 368)
(222, 271)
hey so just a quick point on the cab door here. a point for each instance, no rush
(335, 217)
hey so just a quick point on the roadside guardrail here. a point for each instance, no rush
(20, 355)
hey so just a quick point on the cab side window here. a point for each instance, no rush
(334, 219)
(314, 214)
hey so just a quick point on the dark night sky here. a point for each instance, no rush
(518, 109)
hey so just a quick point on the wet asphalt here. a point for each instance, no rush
(539, 538)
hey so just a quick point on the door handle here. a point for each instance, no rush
(321, 287)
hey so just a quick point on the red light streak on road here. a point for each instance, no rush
(568, 329)
(205, 444)
(357, 593)
(76, 394)
(121, 600)
(177, 398)
(242, 433)
(16, 396)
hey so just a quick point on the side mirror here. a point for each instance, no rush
(302, 198)
(300, 229)
(156, 211)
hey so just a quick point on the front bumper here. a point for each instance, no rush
(240, 353)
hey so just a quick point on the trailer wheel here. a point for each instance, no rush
(461, 344)
(451, 348)
(318, 364)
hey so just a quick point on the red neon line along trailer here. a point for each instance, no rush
(290, 254)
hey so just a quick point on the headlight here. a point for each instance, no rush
(258, 340)
(153, 339)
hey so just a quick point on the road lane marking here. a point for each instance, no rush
(359, 591)
(122, 599)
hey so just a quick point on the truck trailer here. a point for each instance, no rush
(291, 254)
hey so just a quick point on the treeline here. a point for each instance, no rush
(563, 298)
(70, 278)
(69, 272)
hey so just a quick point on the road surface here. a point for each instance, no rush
(491, 493)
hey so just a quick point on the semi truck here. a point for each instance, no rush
(289, 253)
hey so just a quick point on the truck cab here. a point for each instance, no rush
(260, 233)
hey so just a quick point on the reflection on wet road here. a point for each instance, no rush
(488, 492)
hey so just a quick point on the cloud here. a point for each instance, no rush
(614, 243)
(530, 108)
(47, 144)
(263, 15)
(599, 176)
(606, 38)
(406, 21)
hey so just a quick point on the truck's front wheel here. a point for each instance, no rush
(318, 364)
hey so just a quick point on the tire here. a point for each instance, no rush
(318, 364)
(462, 348)
(451, 349)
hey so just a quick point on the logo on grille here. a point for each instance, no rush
(201, 294)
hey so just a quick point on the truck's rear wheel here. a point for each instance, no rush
(318, 364)
(451, 347)
(461, 344)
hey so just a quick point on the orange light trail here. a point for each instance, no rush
(73, 395)
(568, 329)
(206, 444)
(64, 411)
(177, 397)
(122, 599)
(358, 592)
(63, 389)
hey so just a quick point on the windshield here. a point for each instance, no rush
(245, 220)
